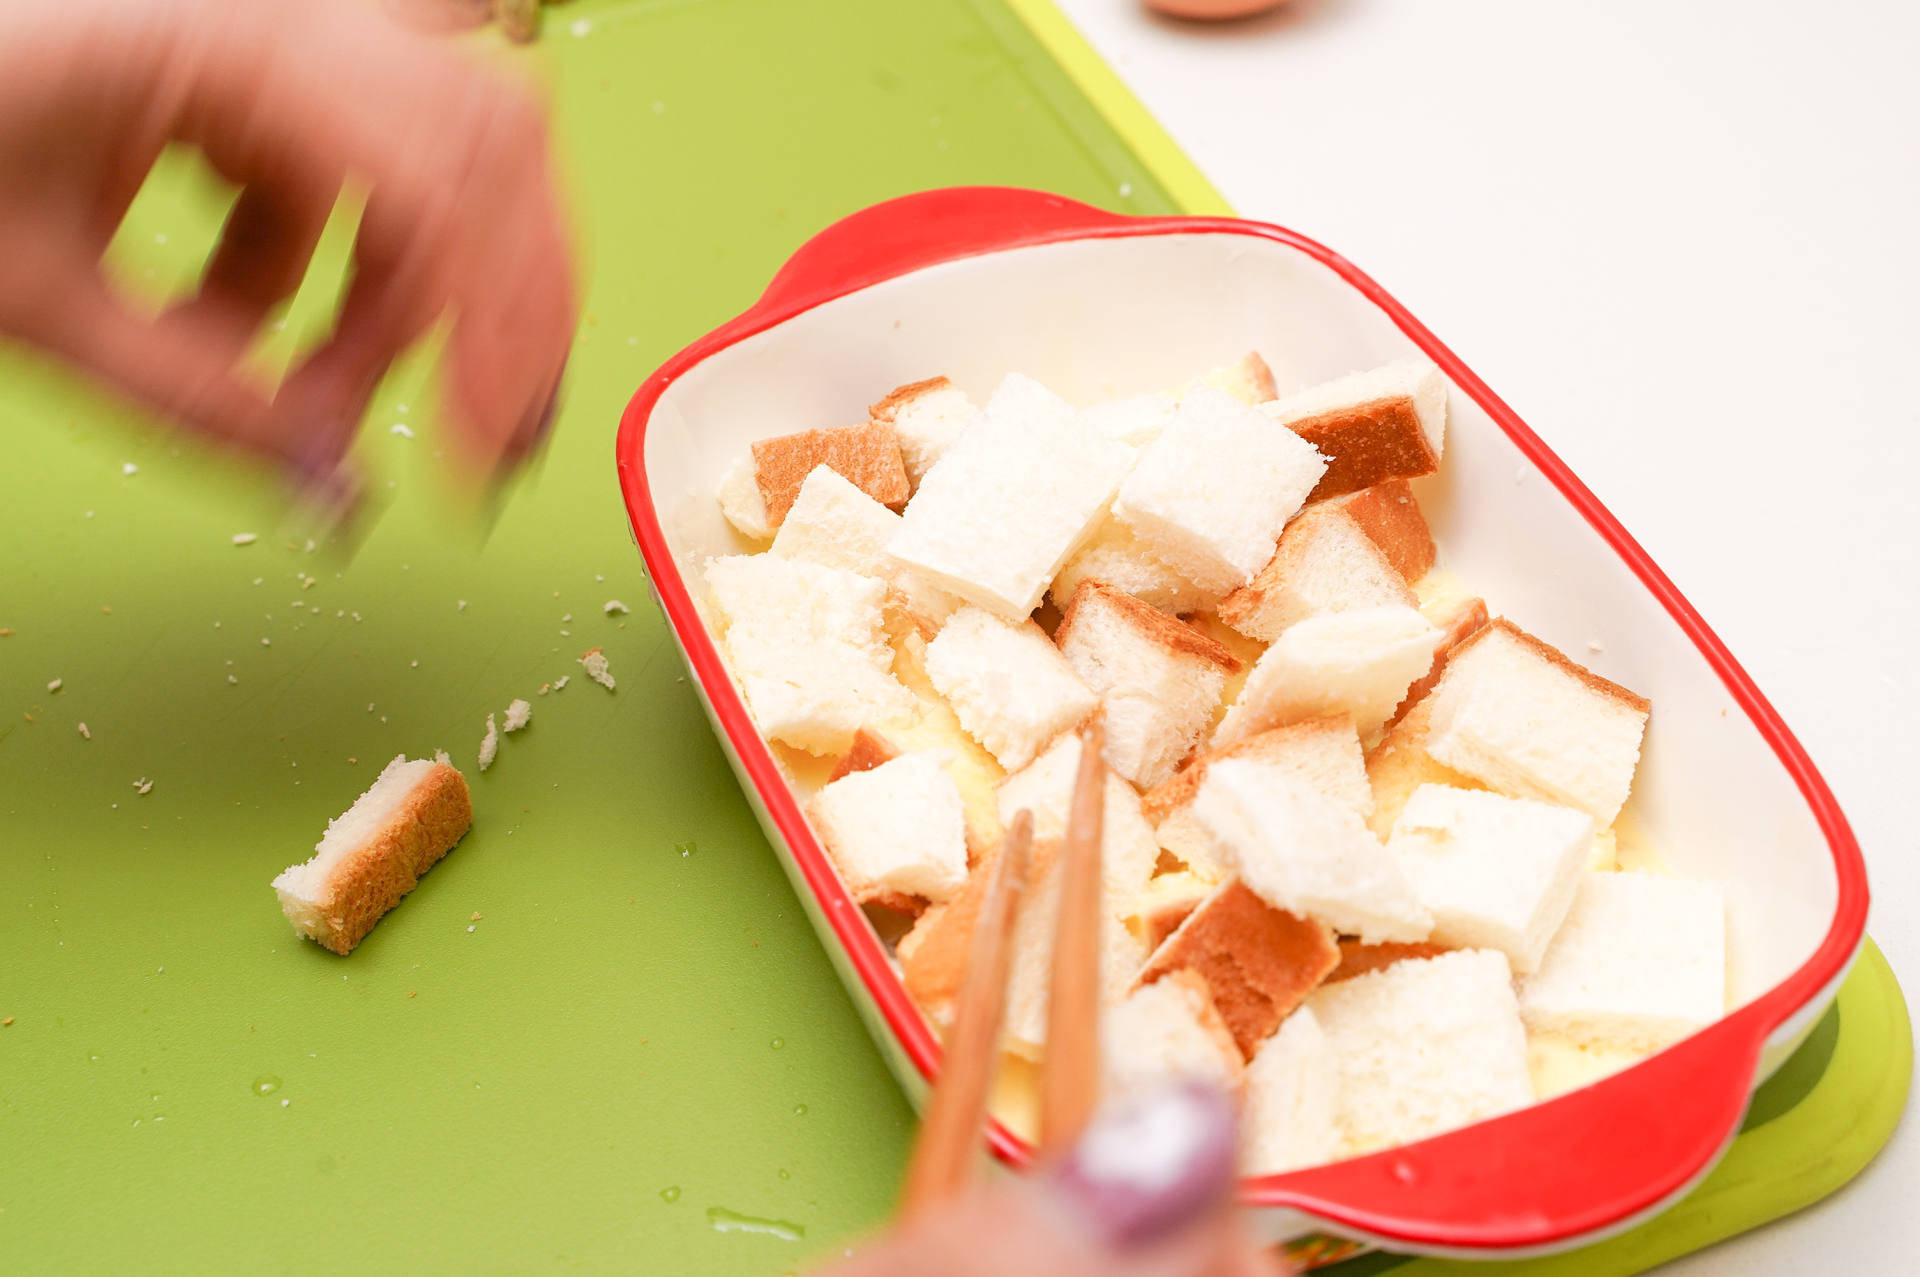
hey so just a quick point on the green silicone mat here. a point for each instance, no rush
(635, 1057)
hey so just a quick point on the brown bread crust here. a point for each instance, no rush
(868, 750)
(1548, 652)
(1358, 959)
(900, 396)
(1176, 792)
(371, 879)
(1168, 631)
(1366, 444)
(1465, 621)
(1391, 518)
(866, 455)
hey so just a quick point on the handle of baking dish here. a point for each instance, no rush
(1594, 1158)
(916, 231)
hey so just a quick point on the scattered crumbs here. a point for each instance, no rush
(309, 583)
(284, 1103)
(1519, 475)
(659, 108)
(310, 545)
(354, 615)
(1126, 189)
(1595, 645)
(29, 717)
(460, 605)
(89, 514)
(383, 718)
(142, 785)
(470, 928)
(216, 625)
(566, 633)
(53, 685)
(489, 744)
(107, 608)
(339, 611)
(562, 681)
(413, 664)
(614, 606)
(129, 468)
(544, 689)
(475, 916)
(518, 712)
(258, 579)
(84, 733)
(595, 662)
(566, 618)
(232, 679)
(352, 760)
(580, 27)
(6, 1023)
(400, 408)
(413, 993)
(245, 538)
(402, 429)
(598, 577)
(265, 641)
(369, 707)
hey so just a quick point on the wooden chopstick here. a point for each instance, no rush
(1070, 1072)
(949, 1140)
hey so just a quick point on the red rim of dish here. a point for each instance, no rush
(1594, 1160)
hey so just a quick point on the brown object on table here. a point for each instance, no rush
(1259, 961)
(949, 1137)
(1071, 1069)
(866, 455)
(1357, 958)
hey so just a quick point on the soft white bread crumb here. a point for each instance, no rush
(1119, 558)
(928, 416)
(1323, 752)
(1165, 1031)
(1211, 494)
(1640, 962)
(833, 523)
(1158, 681)
(374, 852)
(1301, 851)
(519, 714)
(1325, 563)
(1135, 421)
(809, 648)
(594, 661)
(1496, 872)
(1425, 1045)
(489, 745)
(1008, 684)
(1519, 716)
(896, 828)
(999, 513)
(1287, 1118)
(741, 502)
(1357, 663)
(1044, 787)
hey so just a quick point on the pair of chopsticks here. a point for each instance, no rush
(948, 1146)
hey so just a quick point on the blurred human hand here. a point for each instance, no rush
(1147, 1192)
(288, 100)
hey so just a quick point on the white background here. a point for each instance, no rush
(1680, 240)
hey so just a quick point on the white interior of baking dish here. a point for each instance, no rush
(1103, 317)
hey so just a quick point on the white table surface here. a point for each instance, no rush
(1682, 241)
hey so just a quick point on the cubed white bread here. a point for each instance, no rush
(741, 502)
(1158, 681)
(1007, 683)
(1356, 663)
(927, 416)
(373, 853)
(1496, 872)
(1247, 379)
(1011, 499)
(1516, 714)
(809, 649)
(1373, 426)
(1211, 494)
(1114, 555)
(1325, 563)
(1044, 787)
(1292, 1095)
(1166, 1031)
(1030, 981)
(895, 829)
(1323, 752)
(1167, 901)
(1640, 962)
(835, 524)
(1424, 1046)
(1302, 851)
(1135, 421)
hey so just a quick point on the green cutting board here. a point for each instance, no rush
(639, 1030)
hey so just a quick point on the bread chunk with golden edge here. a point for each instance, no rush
(1374, 426)
(927, 416)
(1359, 662)
(1455, 628)
(1517, 715)
(1357, 957)
(1259, 961)
(375, 852)
(1390, 515)
(1324, 752)
(1168, 901)
(1158, 680)
(868, 750)
(867, 455)
(1325, 562)
(1165, 1031)
(1247, 379)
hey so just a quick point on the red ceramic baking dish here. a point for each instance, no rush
(975, 282)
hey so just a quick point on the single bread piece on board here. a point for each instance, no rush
(867, 454)
(1386, 423)
(376, 851)
(1260, 962)
(1211, 494)
(1359, 663)
(895, 830)
(1456, 627)
(1287, 1118)
(1424, 1046)
(927, 416)
(1158, 681)
(1517, 715)
(1325, 563)
(1114, 555)
(1357, 957)
(1324, 752)
(1166, 1031)
(1007, 683)
(1013, 497)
